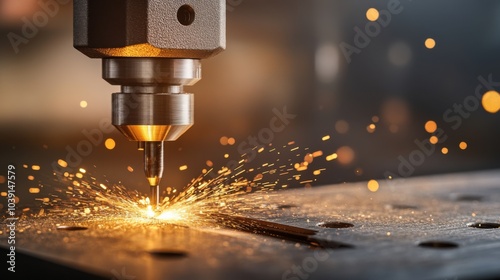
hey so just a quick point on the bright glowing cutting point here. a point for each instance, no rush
(150, 213)
(170, 215)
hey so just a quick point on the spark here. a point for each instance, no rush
(62, 163)
(110, 144)
(317, 154)
(373, 185)
(372, 14)
(331, 157)
(491, 101)
(371, 128)
(430, 43)
(430, 126)
(222, 190)
(462, 145)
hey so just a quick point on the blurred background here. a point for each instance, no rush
(362, 100)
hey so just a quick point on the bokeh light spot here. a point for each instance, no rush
(373, 185)
(372, 14)
(430, 43)
(430, 126)
(110, 144)
(491, 101)
(462, 145)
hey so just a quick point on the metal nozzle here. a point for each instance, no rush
(153, 167)
(152, 49)
(152, 107)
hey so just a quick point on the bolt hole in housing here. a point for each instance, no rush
(185, 15)
(335, 224)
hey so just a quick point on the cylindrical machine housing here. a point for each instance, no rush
(152, 105)
(153, 117)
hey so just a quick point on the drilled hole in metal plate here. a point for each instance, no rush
(467, 197)
(400, 207)
(168, 254)
(484, 225)
(286, 206)
(185, 15)
(335, 225)
(71, 228)
(438, 244)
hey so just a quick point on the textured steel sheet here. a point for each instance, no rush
(418, 228)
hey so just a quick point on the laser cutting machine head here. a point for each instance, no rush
(152, 49)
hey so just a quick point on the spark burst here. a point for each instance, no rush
(214, 192)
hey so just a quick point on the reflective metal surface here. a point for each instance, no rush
(413, 228)
(153, 168)
(151, 71)
(153, 117)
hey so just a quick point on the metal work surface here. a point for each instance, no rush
(434, 227)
